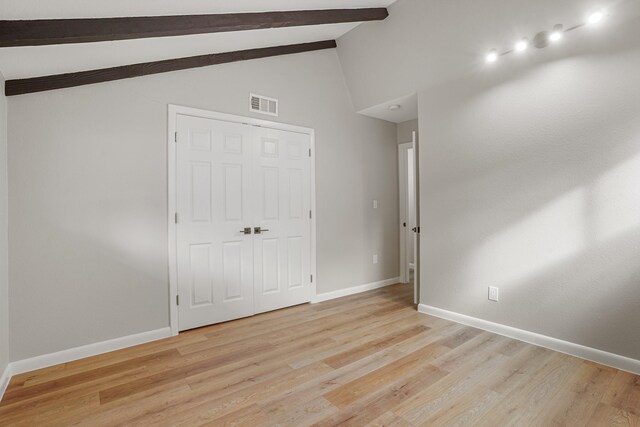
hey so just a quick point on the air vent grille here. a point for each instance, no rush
(263, 105)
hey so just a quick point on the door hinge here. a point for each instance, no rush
(310, 216)
(175, 137)
(309, 152)
(177, 299)
(312, 278)
(175, 217)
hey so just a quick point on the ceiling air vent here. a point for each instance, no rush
(263, 105)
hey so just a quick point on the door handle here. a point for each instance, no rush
(259, 230)
(247, 230)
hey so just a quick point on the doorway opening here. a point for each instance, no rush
(409, 211)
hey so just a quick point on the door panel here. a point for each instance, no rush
(200, 194)
(282, 255)
(270, 265)
(271, 193)
(200, 268)
(295, 264)
(215, 259)
(232, 176)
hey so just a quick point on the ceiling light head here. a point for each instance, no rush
(492, 56)
(557, 33)
(596, 17)
(522, 45)
(395, 107)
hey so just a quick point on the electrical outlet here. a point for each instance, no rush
(375, 259)
(493, 293)
(375, 204)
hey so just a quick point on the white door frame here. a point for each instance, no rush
(173, 112)
(404, 214)
(404, 209)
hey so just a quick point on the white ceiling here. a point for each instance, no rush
(408, 109)
(32, 61)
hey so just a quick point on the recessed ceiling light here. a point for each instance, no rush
(395, 107)
(596, 17)
(522, 45)
(492, 56)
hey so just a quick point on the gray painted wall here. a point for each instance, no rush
(4, 275)
(88, 185)
(529, 169)
(531, 182)
(405, 131)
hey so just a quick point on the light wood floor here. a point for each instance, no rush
(367, 359)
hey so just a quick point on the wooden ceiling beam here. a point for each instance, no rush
(60, 81)
(61, 31)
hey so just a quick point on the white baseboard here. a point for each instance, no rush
(354, 290)
(76, 353)
(4, 380)
(51, 359)
(577, 350)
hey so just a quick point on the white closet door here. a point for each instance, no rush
(214, 203)
(282, 251)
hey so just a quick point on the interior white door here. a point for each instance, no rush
(406, 235)
(282, 244)
(214, 161)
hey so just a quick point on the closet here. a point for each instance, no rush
(243, 220)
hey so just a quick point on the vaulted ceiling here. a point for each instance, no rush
(31, 61)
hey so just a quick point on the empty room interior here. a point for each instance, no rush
(320, 213)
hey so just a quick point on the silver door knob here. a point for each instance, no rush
(259, 230)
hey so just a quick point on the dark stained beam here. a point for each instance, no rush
(59, 31)
(60, 81)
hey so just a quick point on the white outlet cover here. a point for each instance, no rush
(375, 204)
(493, 293)
(375, 259)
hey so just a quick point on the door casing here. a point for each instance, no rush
(173, 112)
(405, 231)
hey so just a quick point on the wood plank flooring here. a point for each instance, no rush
(363, 360)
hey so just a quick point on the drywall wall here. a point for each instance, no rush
(530, 182)
(424, 43)
(4, 242)
(88, 193)
(406, 129)
(529, 168)
(389, 66)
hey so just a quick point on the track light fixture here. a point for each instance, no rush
(545, 38)
(596, 17)
(522, 45)
(557, 33)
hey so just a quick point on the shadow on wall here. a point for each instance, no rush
(533, 182)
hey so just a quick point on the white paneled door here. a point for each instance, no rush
(282, 244)
(243, 228)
